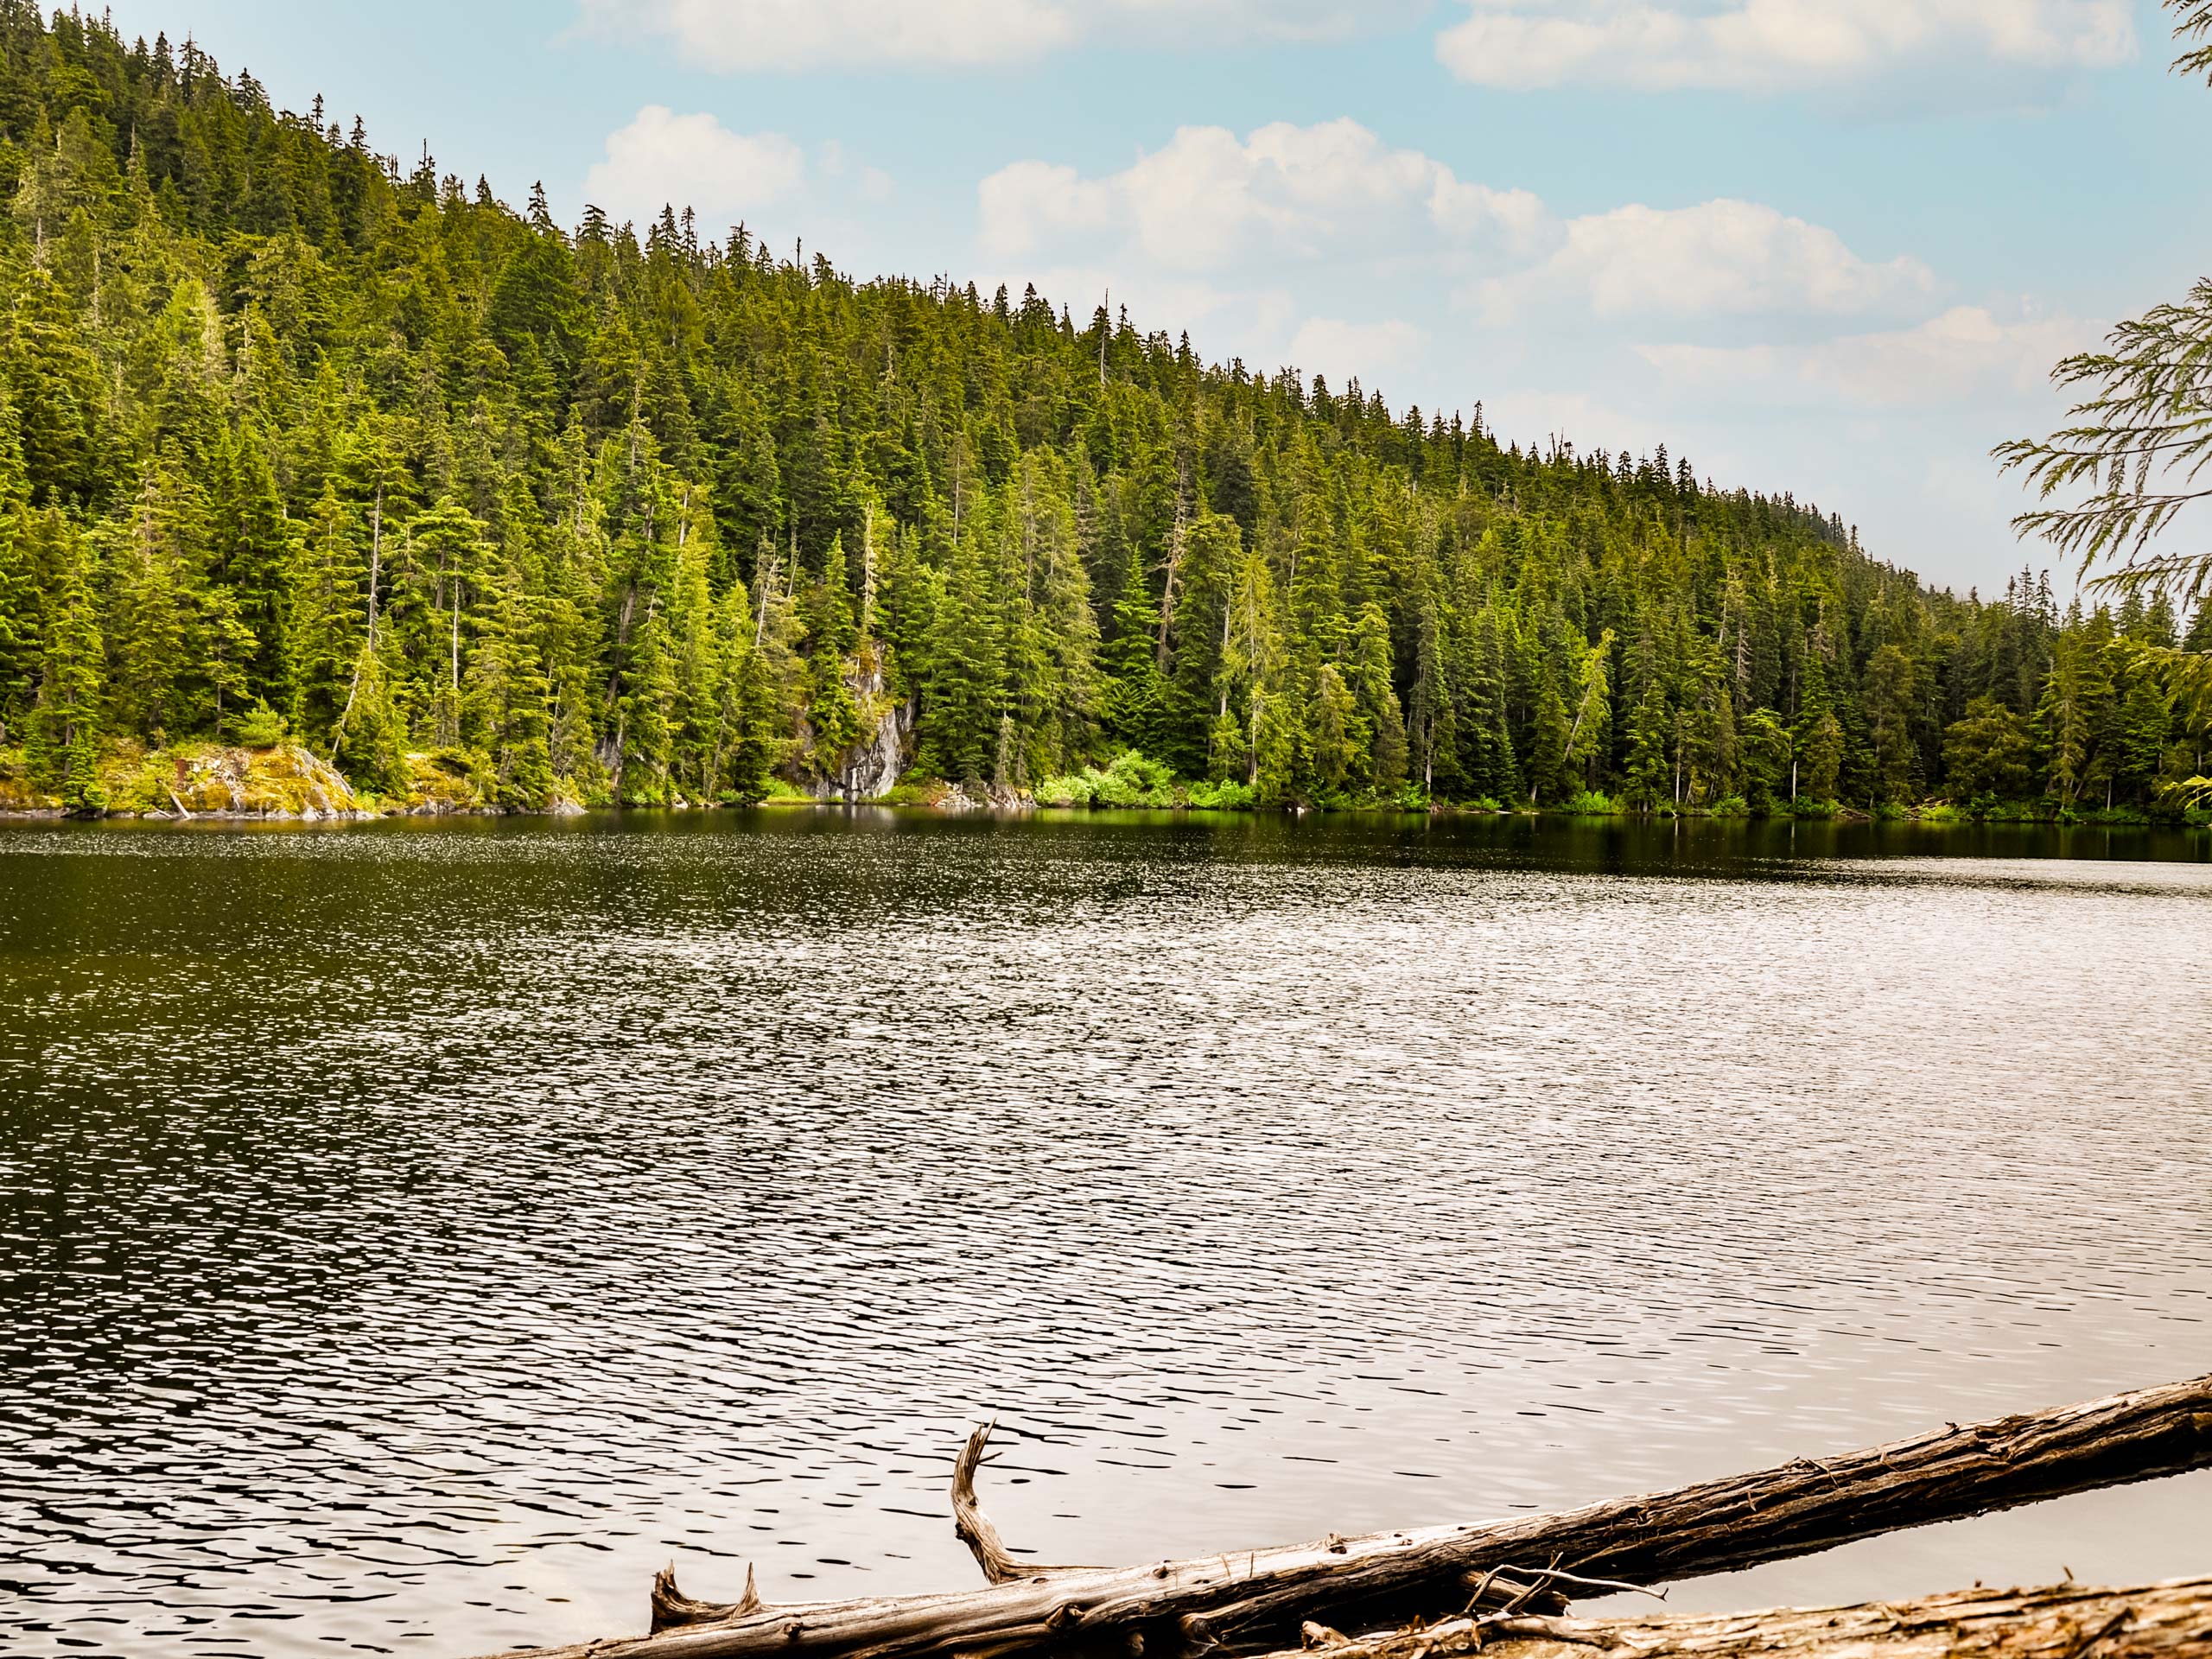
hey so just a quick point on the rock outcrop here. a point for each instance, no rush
(872, 767)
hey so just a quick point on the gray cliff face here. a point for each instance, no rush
(873, 765)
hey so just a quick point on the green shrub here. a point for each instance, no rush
(1591, 802)
(1805, 807)
(1074, 789)
(260, 727)
(1224, 797)
(1732, 806)
(1132, 780)
(1129, 779)
(1407, 797)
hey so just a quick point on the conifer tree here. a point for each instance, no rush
(249, 549)
(645, 734)
(149, 559)
(65, 728)
(1588, 730)
(1989, 753)
(1889, 699)
(1817, 769)
(447, 556)
(23, 584)
(1649, 725)
(507, 694)
(54, 383)
(832, 633)
(1136, 700)
(326, 637)
(425, 474)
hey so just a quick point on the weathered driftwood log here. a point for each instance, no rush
(1714, 1526)
(2068, 1621)
(672, 1609)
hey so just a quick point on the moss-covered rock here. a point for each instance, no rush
(446, 781)
(214, 780)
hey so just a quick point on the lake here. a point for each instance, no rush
(412, 1235)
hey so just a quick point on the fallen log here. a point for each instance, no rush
(2067, 1621)
(1261, 1597)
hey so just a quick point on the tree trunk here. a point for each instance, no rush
(2147, 1622)
(1261, 1597)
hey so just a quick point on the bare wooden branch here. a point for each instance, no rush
(2159, 1621)
(974, 1528)
(1261, 1597)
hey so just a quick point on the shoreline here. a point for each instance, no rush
(289, 784)
(1924, 818)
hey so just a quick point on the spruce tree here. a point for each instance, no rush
(326, 636)
(64, 746)
(390, 458)
(1137, 712)
(831, 633)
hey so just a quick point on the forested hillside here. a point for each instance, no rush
(294, 437)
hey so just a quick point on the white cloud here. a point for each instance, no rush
(1331, 192)
(793, 34)
(1322, 246)
(1966, 354)
(1334, 196)
(1342, 350)
(1773, 45)
(694, 161)
(1728, 258)
(872, 184)
(1532, 417)
(1252, 317)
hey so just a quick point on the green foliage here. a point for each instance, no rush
(1130, 780)
(2137, 445)
(64, 740)
(292, 438)
(1990, 752)
(260, 727)
(1133, 780)
(2193, 29)
(1220, 796)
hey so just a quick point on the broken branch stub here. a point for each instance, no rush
(974, 1528)
(672, 1609)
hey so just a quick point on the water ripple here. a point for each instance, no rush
(411, 1238)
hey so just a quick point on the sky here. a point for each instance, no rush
(1825, 246)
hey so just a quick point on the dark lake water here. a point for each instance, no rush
(411, 1236)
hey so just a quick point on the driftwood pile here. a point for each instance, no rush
(1444, 1591)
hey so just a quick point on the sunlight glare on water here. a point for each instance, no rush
(411, 1238)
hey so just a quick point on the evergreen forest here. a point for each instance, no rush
(302, 444)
